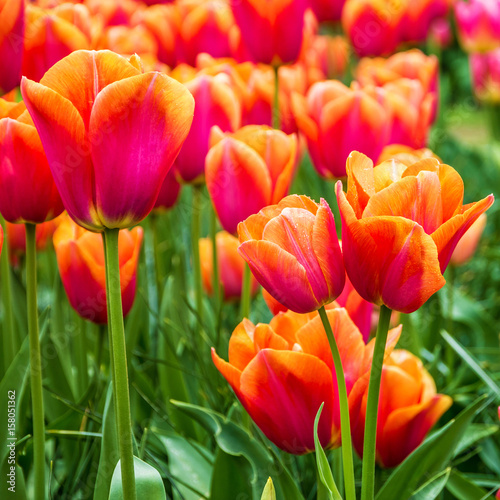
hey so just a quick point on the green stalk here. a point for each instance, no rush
(276, 104)
(119, 356)
(215, 262)
(10, 346)
(35, 365)
(246, 292)
(369, 445)
(195, 236)
(345, 423)
(80, 346)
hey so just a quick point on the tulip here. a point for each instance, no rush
(335, 120)
(248, 170)
(125, 40)
(113, 12)
(467, 245)
(93, 103)
(11, 43)
(409, 408)
(80, 258)
(478, 23)
(230, 263)
(374, 26)
(485, 69)
(405, 154)
(327, 10)
(408, 220)
(286, 368)
(169, 192)
(441, 34)
(49, 38)
(420, 15)
(27, 189)
(279, 25)
(293, 251)
(274, 306)
(216, 104)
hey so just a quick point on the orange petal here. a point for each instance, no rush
(361, 183)
(241, 345)
(228, 371)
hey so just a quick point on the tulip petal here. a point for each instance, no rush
(290, 385)
(361, 182)
(241, 345)
(265, 338)
(64, 140)
(280, 274)
(388, 172)
(447, 236)
(229, 372)
(143, 120)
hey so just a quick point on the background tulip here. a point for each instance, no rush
(409, 408)
(408, 220)
(286, 368)
(11, 43)
(248, 170)
(293, 251)
(91, 103)
(468, 244)
(169, 192)
(231, 265)
(80, 258)
(485, 71)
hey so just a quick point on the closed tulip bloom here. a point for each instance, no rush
(286, 368)
(409, 407)
(478, 23)
(27, 189)
(327, 10)
(485, 70)
(420, 15)
(80, 258)
(231, 265)
(11, 43)
(467, 246)
(49, 38)
(110, 132)
(216, 104)
(293, 251)
(279, 25)
(336, 120)
(169, 192)
(400, 226)
(113, 12)
(126, 40)
(405, 154)
(274, 306)
(440, 33)
(248, 170)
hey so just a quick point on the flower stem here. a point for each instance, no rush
(35, 365)
(369, 445)
(276, 104)
(246, 292)
(215, 262)
(345, 424)
(195, 236)
(8, 333)
(119, 356)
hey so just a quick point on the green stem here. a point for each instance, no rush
(35, 365)
(494, 118)
(450, 353)
(345, 424)
(246, 292)
(119, 356)
(276, 103)
(338, 470)
(369, 445)
(10, 346)
(321, 490)
(80, 347)
(195, 236)
(156, 252)
(215, 262)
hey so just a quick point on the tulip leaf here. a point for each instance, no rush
(234, 440)
(462, 488)
(324, 472)
(430, 457)
(475, 433)
(433, 487)
(231, 477)
(269, 492)
(148, 482)
(472, 363)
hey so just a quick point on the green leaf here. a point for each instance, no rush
(269, 492)
(148, 482)
(324, 471)
(433, 487)
(472, 362)
(431, 457)
(475, 433)
(463, 488)
(231, 477)
(234, 440)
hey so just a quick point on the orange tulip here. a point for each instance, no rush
(293, 251)
(231, 265)
(93, 103)
(271, 30)
(248, 170)
(126, 40)
(408, 408)
(113, 12)
(467, 245)
(400, 226)
(11, 43)
(286, 368)
(336, 119)
(405, 154)
(80, 258)
(27, 189)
